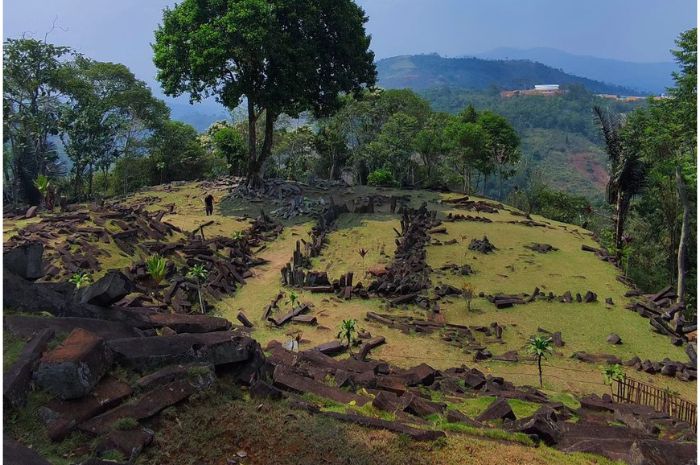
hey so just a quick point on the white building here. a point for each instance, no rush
(546, 86)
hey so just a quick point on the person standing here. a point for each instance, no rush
(209, 204)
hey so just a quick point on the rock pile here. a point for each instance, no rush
(476, 205)
(408, 274)
(482, 246)
(452, 217)
(665, 315)
(541, 248)
(175, 353)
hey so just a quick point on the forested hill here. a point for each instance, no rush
(419, 72)
(559, 137)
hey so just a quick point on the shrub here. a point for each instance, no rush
(380, 177)
(80, 279)
(156, 268)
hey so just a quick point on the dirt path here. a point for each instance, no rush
(260, 289)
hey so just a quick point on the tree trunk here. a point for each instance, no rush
(683, 197)
(331, 174)
(619, 223)
(539, 368)
(256, 161)
(252, 140)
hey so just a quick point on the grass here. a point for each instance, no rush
(490, 433)
(25, 426)
(11, 349)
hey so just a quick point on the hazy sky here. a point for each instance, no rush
(632, 30)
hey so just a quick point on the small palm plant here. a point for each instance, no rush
(199, 274)
(540, 347)
(43, 185)
(362, 253)
(293, 297)
(468, 294)
(156, 266)
(238, 236)
(80, 279)
(347, 332)
(612, 372)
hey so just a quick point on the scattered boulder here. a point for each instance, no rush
(614, 339)
(510, 356)
(593, 402)
(483, 246)
(31, 212)
(422, 408)
(498, 410)
(542, 425)
(541, 248)
(62, 416)
(217, 348)
(557, 340)
(172, 373)
(128, 442)
(25, 260)
(17, 378)
(148, 405)
(422, 374)
(287, 379)
(74, 368)
(597, 358)
(26, 326)
(455, 416)
(108, 290)
(263, 390)
(13, 453)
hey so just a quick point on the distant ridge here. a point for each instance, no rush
(427, 71)
(646, 77)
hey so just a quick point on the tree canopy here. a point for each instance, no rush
(281, 56)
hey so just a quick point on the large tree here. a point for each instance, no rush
(31, 106)
(107, 112)
(281, 56)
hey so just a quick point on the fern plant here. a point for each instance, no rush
(156, 267)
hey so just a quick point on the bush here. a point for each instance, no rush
(380, 177)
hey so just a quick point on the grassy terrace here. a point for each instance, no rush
(226, 418)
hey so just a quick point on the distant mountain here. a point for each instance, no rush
(645, 77)
(200, 116)
(427, 71)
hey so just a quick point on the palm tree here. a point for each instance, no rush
(199, 273)
(540, 347)
(627, 172)
(347, 330)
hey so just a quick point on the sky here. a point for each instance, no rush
(630, 30)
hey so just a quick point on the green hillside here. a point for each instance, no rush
(427, 71)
